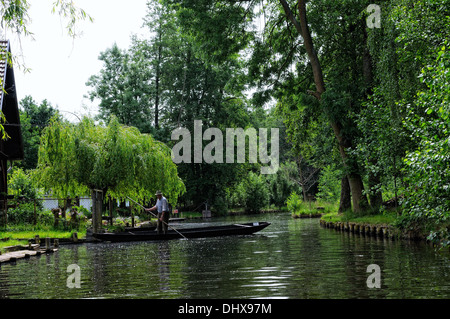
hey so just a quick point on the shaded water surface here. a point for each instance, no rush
(292, 258)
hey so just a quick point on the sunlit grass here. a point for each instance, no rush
(13, 242)
(316, 207)
(28, 232)
(386, 218)
(32, 233)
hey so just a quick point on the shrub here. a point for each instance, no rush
(22, 214)
(83, 211)
(21, 185)
(329, 184)
(252, 193)
(221, 204)
(256, 193)
(45, 218)
(294, 203)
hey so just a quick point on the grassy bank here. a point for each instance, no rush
(387, 218)
(188, 215)
(28, 232)
(313, 208)
(8, 243)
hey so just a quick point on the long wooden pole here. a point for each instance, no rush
(157, 217)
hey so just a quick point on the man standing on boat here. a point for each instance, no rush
(163, 213)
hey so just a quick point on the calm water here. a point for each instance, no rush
(292, 258)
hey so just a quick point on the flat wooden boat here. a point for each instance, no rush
(139, 229)
(200, 232)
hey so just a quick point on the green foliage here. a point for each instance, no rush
(282, 183)
(83, 211)
(165, 81)
(257, 194)
(440, 238)
(197, 64)
(251, 193)
(329, 184)
(26, 214)
(116, 159)
(21, 215)
(30, 138)
(297, 206)
(348, 216)
(33, 119)
(43, 231)
(45, 218)
(40, 115)
(218, 28)
(428, 167)
(122, 88)
(9, 243)
(294, 203)
(68, 10)
(21, 185)
(15, 15)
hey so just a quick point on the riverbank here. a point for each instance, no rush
(22, 251)
(23, 234)
(23, 237)
(372, 225)
(307, 215)
(263, 211)
(8, 244)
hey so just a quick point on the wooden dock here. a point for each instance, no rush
(15, 253)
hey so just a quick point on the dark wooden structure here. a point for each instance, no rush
(201, 232)
(11, 148)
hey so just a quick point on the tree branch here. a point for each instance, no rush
(291, 17)
(303, 29)
(314, 60)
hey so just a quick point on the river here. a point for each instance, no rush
(292, 258)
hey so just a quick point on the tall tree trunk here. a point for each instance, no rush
(97, 209)
(345, 203)
(158, 77)
(375, 194)
(359, 200)
(300, 172)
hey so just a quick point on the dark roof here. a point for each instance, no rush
(3, 64)
(12, 148)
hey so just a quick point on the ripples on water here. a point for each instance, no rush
(292, 258)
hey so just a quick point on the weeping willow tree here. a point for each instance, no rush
(112, 160)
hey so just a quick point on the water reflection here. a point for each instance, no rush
(292, 258)
(163, 261)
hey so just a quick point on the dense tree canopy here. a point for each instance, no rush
(122, 88)
(116, 159)
(327, 67)
(362, 107)
(33, 119)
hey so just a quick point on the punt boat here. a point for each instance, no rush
(198, 232)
